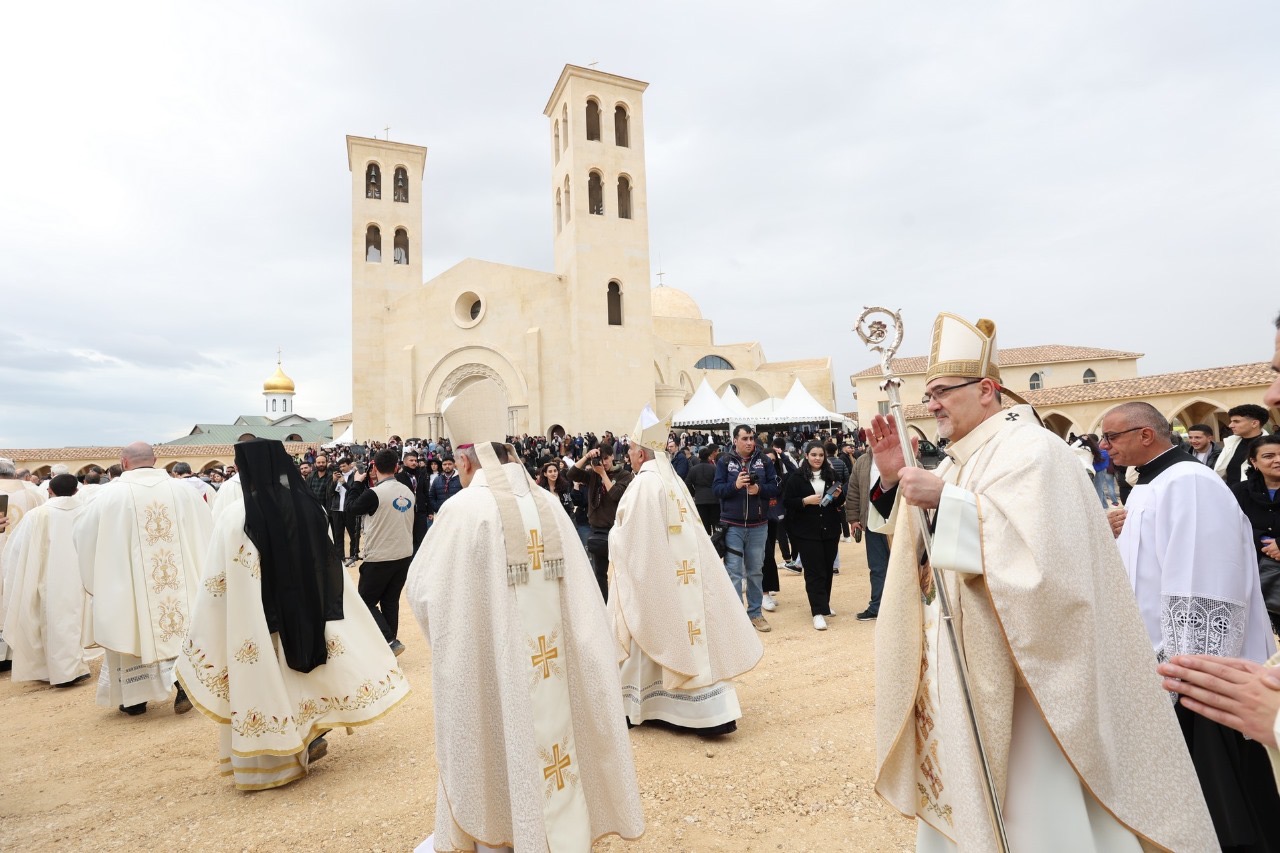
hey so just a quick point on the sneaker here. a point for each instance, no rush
(830, 613)
(866, 616)
(397, 647)
(767, 603)
(819, 624)
(793, 567)
(760, 625)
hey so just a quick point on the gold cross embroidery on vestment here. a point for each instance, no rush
(535, 549)
(544, 656)
(694, 633)
(683, 511)
(685, 572)
(559, 764)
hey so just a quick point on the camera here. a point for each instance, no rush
(753, 479)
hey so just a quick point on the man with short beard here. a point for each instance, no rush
(1019, 543)
(1203, 447)
(320, 482)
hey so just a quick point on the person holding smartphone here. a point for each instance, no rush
(813, 498)
(605, 484)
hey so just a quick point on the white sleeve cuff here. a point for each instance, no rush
(956, 546)
(877, 523)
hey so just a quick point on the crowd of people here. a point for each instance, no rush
(561, 579)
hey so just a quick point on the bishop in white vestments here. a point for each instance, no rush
(281, 648)
(682, 635)
(22, 498)
(1084, 750)
(44, 618)
(1189, 554)
(531, 748)
(141, 547)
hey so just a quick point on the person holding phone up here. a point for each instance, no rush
(814, 501)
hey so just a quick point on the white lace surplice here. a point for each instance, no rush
(1189, 553)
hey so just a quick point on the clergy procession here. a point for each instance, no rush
(1049, 673)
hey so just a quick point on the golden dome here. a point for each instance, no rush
(278, 383)
(669, 302)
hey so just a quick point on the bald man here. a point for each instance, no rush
(1190, 557)
(141, 549)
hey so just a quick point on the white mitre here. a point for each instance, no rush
(651, 431)
(963, 350)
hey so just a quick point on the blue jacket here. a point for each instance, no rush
(441, 490)
(680, 463)
(736, 506)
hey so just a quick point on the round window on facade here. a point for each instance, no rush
(468, 309)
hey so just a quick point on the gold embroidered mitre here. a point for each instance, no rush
(651, 431)
(963, 350)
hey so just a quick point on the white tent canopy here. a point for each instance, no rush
(765, 408)
(733, 403)
(703, 409)
(348, 437)
(799, 407)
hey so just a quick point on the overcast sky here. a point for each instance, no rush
(176, 200)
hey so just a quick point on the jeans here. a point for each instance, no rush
(878, 562)
(749, 543)
(1104, 484)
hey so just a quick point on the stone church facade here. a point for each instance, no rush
(583, 347)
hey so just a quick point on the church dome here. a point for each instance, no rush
(669, 302)
(278, 383)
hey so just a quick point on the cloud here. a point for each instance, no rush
(179, 201)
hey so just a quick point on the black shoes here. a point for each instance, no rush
(73, 682)
(866, 616)
(317, 749)
(181, 704)
(397, 647)
(134, 710)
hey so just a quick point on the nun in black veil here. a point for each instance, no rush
(281, 648)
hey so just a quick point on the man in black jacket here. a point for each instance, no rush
(416, 480)
(1203, 447)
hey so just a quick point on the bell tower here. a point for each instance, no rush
(386, 265)
(601, 231)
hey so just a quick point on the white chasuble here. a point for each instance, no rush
(538, 603)
(234, 670)
(492, 677)
(44, 616)
(141, 547)
(23, 497)
(671, 597)
(1083, 745)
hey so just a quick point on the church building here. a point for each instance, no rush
(510, 350)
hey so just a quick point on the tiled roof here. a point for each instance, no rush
(1011, 357)
(163, 451)
(1258, 374)
(348, 416)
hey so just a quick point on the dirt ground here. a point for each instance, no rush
(796, 776)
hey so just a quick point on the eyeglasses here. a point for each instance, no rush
(1110, 437)
(939, 393)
